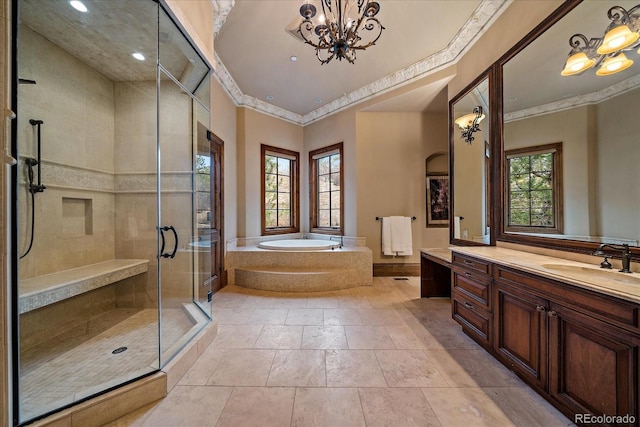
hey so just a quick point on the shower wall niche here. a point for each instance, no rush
(108, 288)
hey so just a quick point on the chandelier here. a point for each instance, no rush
(621, 35)
(343, 27)
(470, 123)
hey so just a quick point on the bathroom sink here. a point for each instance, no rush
(594, 273)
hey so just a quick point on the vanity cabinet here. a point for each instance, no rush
(578, 348)
(471, 297)
(593, 366)
(521, 332)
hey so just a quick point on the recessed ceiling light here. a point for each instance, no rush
(138, 56)
(269, 97)
(294, 58)
(78, 5)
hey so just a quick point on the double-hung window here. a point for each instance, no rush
(326, 185)
(280, 190)
(534, 189)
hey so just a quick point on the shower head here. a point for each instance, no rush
(35, 122)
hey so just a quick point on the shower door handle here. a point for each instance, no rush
(164, 254)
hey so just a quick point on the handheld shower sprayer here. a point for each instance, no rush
(36, 188)
(33, 187)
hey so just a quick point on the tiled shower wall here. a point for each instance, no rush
(74, 215)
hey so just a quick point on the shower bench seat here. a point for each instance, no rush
(48, 289)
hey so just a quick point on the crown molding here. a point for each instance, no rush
(576, 101)
(485, 14)
(221, 9)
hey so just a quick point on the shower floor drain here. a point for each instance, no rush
(119, 350)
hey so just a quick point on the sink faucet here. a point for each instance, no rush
(304, 236)
(626, 255)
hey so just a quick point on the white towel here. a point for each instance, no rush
(401, 242)
(456, 227)
(386, 236)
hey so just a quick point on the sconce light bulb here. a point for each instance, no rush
(614, 65)
(617, 38)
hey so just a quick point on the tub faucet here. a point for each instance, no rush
(626, 256)
(341, 241)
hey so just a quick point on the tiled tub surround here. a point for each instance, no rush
(298, 271)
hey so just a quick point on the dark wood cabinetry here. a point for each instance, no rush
(471, 298)
(578, 348)
(593, 366)
(521, 333)
(435, 277)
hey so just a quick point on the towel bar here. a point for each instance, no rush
(379, 218)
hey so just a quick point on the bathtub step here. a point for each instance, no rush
(300, 279)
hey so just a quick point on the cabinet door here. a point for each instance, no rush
(520, 339)
(593, 366)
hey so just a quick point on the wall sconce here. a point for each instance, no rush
(470, 123)
(621, 35)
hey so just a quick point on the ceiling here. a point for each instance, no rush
(532, 80)
(253, 52)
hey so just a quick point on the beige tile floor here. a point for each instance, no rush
(371, 356)
(80, 363)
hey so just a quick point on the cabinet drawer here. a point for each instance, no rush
(472, 264)
(474, 286)
(615, 311)
(475, 321)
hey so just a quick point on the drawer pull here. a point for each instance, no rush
(540, 308)
(552, 314)
(467, 274)
(470, 306)
(467, 262)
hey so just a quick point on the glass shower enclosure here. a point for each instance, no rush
(112, 100)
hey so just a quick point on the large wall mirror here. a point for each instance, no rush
(469, 133)
(571, 153)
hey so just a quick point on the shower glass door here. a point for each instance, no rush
(85, 200)
(181, 73)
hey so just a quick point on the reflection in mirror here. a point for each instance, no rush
(589, 118)
(470, 136)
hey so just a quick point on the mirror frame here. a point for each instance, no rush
(490, 75)
(498, 198)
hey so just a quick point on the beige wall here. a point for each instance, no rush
(340, 127)
(196, 17)
(519, 18)
(470, 189)
(223, 124)
(254, 129)
(77, 159)
(391, 152)
(619, 167)
(561, 127)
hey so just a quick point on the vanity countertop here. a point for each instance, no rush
(611, 282)
(440, 253)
